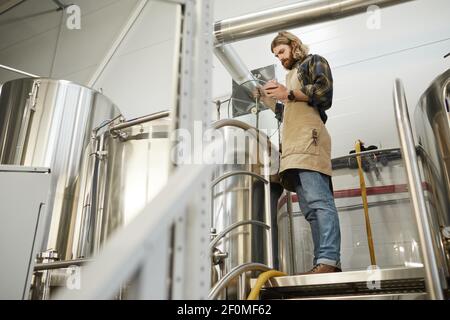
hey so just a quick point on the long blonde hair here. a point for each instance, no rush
(299, 50)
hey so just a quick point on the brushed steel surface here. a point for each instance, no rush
(347, 277)
(290, 16)
(241, 197)
(429, 235)
(394, 296)
(48, 123)
(432, 122)
(129, 167)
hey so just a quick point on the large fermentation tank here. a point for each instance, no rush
(48, 123)
(432, 121)
(394, 232)
(128, 166)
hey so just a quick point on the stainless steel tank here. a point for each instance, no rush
(129, 165)
(48, 123)
(432, 122)
(240, 200)
(394, 232)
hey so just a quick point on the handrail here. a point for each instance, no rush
(237, 173)
(233, 274)
(426, 234)
(234, 226)
(244, 126)
(365, 153)
(60, 264)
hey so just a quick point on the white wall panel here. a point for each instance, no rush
(83, 49)
(140, 76)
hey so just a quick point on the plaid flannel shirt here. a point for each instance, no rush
(316, 82)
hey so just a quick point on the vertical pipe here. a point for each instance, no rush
(267, 199)
(291, 249)
(243, 287)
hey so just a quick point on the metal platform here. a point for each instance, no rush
(391, 284)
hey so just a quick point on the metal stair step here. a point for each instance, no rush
(393, 284)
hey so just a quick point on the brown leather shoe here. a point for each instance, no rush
(321, 268)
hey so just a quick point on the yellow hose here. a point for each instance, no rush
(262, 279)
(365, 204)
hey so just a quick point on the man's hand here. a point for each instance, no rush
(257, 93)
(276, 90)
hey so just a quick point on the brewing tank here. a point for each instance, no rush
(48, 123)
(432, 121)
(129, 165)
(240, 200)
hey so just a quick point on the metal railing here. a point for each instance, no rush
(233, 274)
(230, 228)
(426, 233)
(61, 264)
(134, 249)
(263, 142)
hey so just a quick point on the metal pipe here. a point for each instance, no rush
(243, 287)
(237, 271)
(268, 209)
(237, 173)
(245, 126)
(355, 207)
(235, 66)
(426, 234)
(144, 119)
(365, 153)
(234, 226)
(291, 16)
(291, 233)
(60, 264)
(19, 71)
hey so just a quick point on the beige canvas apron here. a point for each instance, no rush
(306, 143)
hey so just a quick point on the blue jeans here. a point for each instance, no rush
(316, 202)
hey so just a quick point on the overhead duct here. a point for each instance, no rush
(243, 78)
(291, 16)
(233, 63)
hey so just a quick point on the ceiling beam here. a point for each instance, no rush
(6, 5)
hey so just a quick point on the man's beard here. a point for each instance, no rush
(288, 63)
